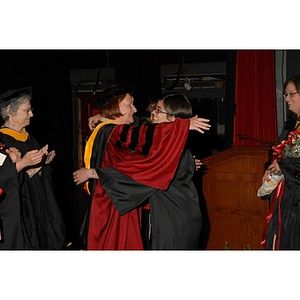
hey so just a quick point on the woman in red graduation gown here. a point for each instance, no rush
(108, 229)
(104, 228)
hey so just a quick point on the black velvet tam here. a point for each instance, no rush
(13, 95)
(114, 90)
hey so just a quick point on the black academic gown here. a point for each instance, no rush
(290, 202)
(32, 203)
(175, 212)
(10, 217)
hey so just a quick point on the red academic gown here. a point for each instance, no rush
(108, 229)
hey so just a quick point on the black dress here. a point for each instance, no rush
(29, 213)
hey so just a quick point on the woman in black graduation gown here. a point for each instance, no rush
(282, 229)
(11, 164)
(29, 213)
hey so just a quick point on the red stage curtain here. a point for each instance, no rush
(255, 97)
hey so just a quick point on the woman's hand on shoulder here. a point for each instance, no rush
(199, 124)
(93, 120)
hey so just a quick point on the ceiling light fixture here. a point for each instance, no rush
(187, 84)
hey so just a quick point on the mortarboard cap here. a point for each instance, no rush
(114, 90)
(13, 95)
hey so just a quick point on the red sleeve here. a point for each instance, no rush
(157, 169)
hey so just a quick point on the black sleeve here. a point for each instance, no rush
(8, 174)
(288, 126)
(290, 168)
(125, 193)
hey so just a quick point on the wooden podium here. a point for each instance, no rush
(236, 215)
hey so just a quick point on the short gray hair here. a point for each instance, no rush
(13, 107)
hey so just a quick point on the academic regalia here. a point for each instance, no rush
(160, 173)
(106, 228)
(28, 205)
(10, 207)
(284, 215)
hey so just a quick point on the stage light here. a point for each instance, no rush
(187, 84)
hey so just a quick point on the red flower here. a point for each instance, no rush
(278, 150)
(286, 147)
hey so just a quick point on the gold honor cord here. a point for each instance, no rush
(89, 147)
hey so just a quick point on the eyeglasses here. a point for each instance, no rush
(159, 111)
(27, 110)
(290, 94)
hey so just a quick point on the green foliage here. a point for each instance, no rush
(227, 247)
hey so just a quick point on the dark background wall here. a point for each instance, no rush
(293, 63)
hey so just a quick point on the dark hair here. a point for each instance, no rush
(178, 105)
(295, 80)
(151, 100)
(111, 108)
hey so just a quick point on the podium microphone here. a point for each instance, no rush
(252, 138)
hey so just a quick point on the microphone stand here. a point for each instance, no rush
(252, 138)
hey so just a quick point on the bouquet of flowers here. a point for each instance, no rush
(292, 144)
(2, 146)
(287, 148)
(269, 185)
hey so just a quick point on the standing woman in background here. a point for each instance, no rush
(32, 191)
(11, 163)
(282, 231)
